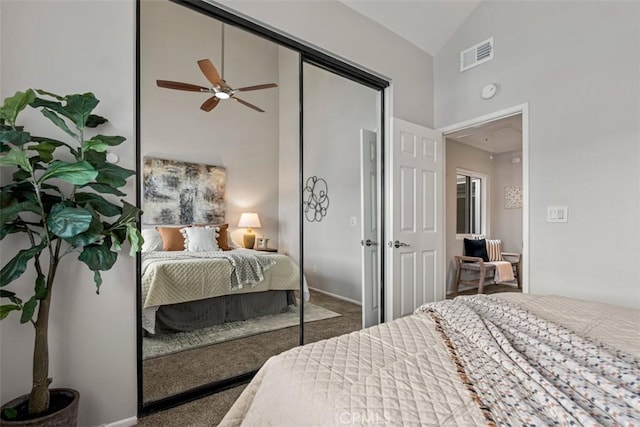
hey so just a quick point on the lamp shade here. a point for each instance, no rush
(250, 220)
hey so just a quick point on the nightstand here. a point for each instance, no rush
(267, 249)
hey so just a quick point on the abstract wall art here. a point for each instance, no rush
(513, 197)
(182, 193)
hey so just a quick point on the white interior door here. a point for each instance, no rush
(370, 229)
(416, 243)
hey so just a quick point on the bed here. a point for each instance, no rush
(183, 291)
(502, 359)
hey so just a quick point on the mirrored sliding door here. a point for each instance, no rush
(340, 202)
(219, 282)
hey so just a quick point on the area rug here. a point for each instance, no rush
(181, 341)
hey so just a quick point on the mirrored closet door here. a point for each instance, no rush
(340, 201)
(219, 168)
(261, 184)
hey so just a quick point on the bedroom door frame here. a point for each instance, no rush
(307, 54)
(522, 109)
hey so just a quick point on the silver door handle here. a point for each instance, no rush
(398, 244)
(368, 242)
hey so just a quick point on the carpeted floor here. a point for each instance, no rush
(182, 341)
(167, 375)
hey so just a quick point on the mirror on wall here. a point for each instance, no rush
(231, 216)
(210, 178)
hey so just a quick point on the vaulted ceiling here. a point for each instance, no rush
(428, 24)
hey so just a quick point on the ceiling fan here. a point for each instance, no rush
(219, 90)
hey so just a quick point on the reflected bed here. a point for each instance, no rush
(183, 291)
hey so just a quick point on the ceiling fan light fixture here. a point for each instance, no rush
(222, 95)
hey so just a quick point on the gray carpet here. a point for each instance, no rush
(181, 341)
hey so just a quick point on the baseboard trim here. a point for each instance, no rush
(127, 422)
(352, 301)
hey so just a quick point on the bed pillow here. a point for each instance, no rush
(476, 248)
(172, 239)
(200, 239)
(494, 250)
(152, 240)
(222, 230)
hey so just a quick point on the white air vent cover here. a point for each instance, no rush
(476, 55)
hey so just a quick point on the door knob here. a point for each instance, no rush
(398, 244)
(368, 242)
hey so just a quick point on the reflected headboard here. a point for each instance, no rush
(175, 192)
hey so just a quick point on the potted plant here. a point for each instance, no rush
(58, 199)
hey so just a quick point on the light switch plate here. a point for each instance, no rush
(557, 213)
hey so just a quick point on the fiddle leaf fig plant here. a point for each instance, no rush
(60, 199)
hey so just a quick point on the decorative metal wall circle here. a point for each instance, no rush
(316, 193)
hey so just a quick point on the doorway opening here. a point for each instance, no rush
(486, 188)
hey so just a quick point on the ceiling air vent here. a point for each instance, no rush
(476, 55)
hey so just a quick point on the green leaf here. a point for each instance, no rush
(92, 235)
(98, 203)
(94, 121)
(54, 142)
(58, 121)
(104, 189)
(7, 229)
(45, 150)
(66, 222)
(15, 104)
(100, 143)
(41, 287)
(109, 174)
(14, 137)
(79, 173)
(130, 214)
(14, 268)
(97, 278)
(113, 175)
(135, 239)
(11, 296)
(51, 94)
(10, 213)
(27, 310)
(79, 107)
(5, 310)
(15, 157)
(99, 257)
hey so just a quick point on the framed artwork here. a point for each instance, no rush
(513, 197)
(182, 193)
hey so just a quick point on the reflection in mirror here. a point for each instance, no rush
(340, 201)
(210, 314)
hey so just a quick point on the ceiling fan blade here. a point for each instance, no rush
(248, 104)
(210, 104)
(180, 86)
(209, 71)
(256, 87)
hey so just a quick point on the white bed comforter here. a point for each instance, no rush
(172, 278)
(401, 372)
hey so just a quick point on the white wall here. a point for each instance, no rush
(337, 28)
(335, 109)
(577, 64)
(506, 224)
(244, 141)
(74, 47)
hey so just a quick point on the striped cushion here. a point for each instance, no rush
(494, 250)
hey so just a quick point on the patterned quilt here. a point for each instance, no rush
(511, 359)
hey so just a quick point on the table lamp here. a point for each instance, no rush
(249, 220)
